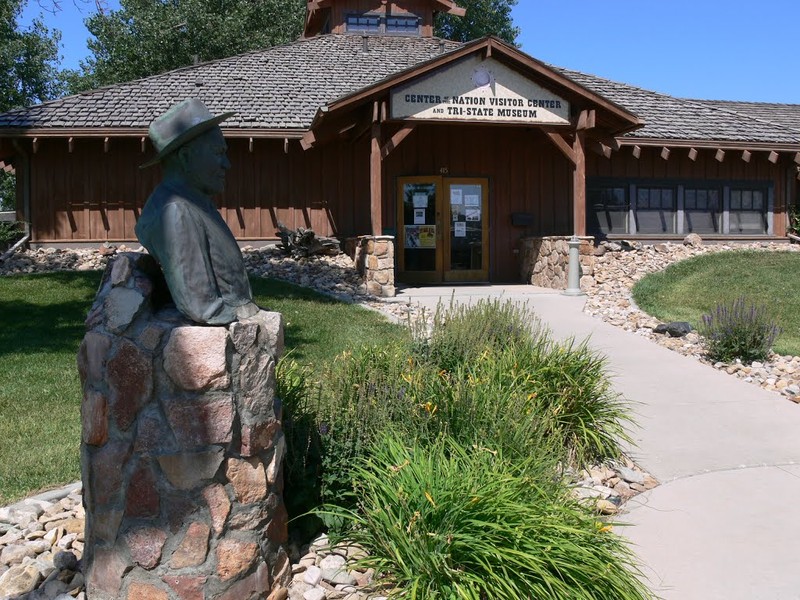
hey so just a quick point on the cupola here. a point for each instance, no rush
(376, 17)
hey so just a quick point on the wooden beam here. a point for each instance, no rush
(601, 149)
(636, 151)
(384, 111)
(797, 158)
(564, 146)
(376, 180)
(70, 145)
(579, 185)
(143, 142)
(746, 155)
(773, 157)
(693, 154)
(720, 155)
(286, 145)
(250, 145)
(397, 138)
(375, 112)
(586, 120)
(665, 153)
(308, 140)
(488, 51)
(106, 145)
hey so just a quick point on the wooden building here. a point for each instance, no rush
(368, 125)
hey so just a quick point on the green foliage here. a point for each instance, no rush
(739, 330)
(446, 521)
(484, 17)
(28, 59)
(689, 289)
(10, 232)
(146, 37)
(8, 191)
(461, 333)
(794, 219)
(487, 375)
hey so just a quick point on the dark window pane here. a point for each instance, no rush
(758, 200)
(369, 23)
(736, 200)
(402, 24)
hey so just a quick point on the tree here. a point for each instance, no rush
(484, 17)
(28, 71)
(146, 37)
(28, 59)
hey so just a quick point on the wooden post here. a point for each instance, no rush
(376, 180)
(579, 185)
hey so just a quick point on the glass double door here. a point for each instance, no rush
(443, 229)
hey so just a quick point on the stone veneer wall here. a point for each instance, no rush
(545, 261)
(374, 260)
(182, 448)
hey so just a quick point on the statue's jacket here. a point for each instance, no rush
(201, 261)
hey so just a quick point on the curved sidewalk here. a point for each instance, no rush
(725, 523)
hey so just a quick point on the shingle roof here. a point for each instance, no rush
(281, 88)
(667, 117)
(277, 88)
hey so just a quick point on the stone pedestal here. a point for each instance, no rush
(182, 448)
(545, 261)
(374, 260)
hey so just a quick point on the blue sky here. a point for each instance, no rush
(715, 49)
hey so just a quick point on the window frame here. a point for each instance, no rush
(723, 187)
(383, 27)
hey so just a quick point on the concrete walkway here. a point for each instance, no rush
(725, 523)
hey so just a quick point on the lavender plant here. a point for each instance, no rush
(740, 330)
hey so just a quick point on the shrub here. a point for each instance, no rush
(507, 387)
(10, 232)
(739, 330)
(461, 333)
(445, 521)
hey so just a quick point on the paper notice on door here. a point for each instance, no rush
(460, 229)
(472, 200)
(456, 196)
(473, 214)
(427, 236)
(419, 216)
(420, 200)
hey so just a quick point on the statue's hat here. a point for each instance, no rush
(181, 123)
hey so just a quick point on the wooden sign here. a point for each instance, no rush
(478, 90)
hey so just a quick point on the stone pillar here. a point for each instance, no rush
(182, 448)
(545, 261)
(374, 260)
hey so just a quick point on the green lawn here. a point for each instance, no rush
(686, 290)
(41, 327)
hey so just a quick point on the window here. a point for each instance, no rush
(678, 207)
(702, 210)
(656, 210)
(393, 24)
(609, 209)
(364, 23)
(748, 210)
(406, 24)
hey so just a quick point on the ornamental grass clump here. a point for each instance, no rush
(444, 521)
(740, 330)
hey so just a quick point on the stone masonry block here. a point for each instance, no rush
(195, 358)
(130, 378)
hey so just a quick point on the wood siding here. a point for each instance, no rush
(90, 195)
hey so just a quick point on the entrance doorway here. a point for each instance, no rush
(443, 229)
